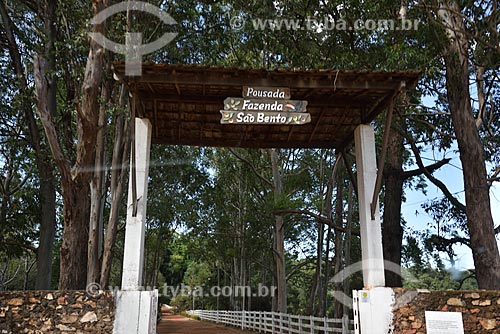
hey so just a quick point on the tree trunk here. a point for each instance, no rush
(392, 231)
(328, 267)
(279, 237)
(477, 197)
(75, 235)
(96, 195)
(47, 179)
(47, 224)
(75, 181)
(318, 272)
(347, 245)
(47, 189)
(118, 173)
(339, 213)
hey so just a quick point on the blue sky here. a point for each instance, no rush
(451, 175)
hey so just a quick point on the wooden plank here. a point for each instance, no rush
(155, 110)
(264, 118)
(238, 103)
(282, 93)
(290, 80)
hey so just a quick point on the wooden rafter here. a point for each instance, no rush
(183, 103)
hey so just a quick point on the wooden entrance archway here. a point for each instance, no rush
(180, 104)
(183, 102)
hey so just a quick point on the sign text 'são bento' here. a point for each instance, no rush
(265, 105)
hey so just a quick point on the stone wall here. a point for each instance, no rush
(480, 309)
(37, 312)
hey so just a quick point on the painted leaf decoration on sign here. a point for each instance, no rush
(228, 116)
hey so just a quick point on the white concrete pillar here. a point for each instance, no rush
(135, 308)
(135, 312)
(375, 307)
(371, 235)
(133, 255)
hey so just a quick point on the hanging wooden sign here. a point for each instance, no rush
(238, 103)
(264, 105)
(274, 93)
(264, 118)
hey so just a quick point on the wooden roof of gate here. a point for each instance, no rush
(183, 103)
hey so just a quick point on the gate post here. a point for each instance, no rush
(371, 235)
(136, 309)
(374, 311)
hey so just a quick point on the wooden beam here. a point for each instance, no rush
(151, 89)
(348, 167)
(215, 79)
(383, 102)
(316, 125)
(155, 110)
(290, 133)
(381, 163)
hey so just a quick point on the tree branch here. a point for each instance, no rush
(431, 178)
(321, 219)
(442, 243)
(246, 161)
(348, 167)
(494, 177)
(19, 186)
(46, 118)
(292, 271)
(432, 126)
(431, 168)
(10, 242)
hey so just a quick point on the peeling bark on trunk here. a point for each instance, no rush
(75, 181)
(47, 179)
(477, 197)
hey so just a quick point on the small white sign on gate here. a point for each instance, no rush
(444, 322)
